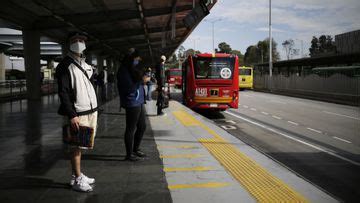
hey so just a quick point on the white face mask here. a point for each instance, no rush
(77, 47)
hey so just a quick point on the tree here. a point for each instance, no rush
(238, 53)
(224, 48)
(322, 46)
(191, 52)
(260, 53)
(314, 46)
(289, 48)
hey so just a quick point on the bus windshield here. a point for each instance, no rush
(244, 71)
(214, 68)
(175, 72)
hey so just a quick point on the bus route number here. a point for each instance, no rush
(201, 92)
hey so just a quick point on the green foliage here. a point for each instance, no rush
(224, 48)
(325, 45)
(260, 53)
(289, 45)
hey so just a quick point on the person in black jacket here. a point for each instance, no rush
(160, 78)
(78, 105)
(132, 98)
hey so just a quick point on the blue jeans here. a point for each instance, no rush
(148, 93)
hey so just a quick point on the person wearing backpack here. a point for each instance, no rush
(78, 105)
(131, 81)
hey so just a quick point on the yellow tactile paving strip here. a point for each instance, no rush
(263, 186)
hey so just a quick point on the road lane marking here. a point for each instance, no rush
(228, 127)
(312, 129)
(199, 168)
(293, 123)
(295, 139)
(246, 106)
(199, 185)
(231, 121)
(338, 138)
(328, 112)
(252, 109)
(265, 113)
(277, 117)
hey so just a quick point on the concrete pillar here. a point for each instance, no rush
(89, 58)
(2, 66)
(31, 40)
(64, 49)
(100, 62)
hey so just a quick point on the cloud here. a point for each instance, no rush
(313, 17)
(266, 29)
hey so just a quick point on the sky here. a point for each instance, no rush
(242, 23)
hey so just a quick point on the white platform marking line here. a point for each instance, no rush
(293, 123)
(328, 112)
(295, 139)
(277, 117)
(312, 129)
(338, 138)
(265, 113)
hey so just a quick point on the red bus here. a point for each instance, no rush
(174, 77)
(210, 81)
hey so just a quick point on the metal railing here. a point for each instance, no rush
(16, 89)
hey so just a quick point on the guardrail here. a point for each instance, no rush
(11, 90)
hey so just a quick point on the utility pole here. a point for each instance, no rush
(213, 22)
(270, 42)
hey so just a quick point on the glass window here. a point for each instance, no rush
(244, 71)
(175, 73)
(214, 68)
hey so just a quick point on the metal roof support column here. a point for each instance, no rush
(31, 40)
(2, 66)
(99, 62)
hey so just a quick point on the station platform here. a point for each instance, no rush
(189, 159)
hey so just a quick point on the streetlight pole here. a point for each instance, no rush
(302, 47)
(195, 43)
(270, 42)
(213, 38)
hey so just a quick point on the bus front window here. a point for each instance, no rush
(244, 71)
(214, 68)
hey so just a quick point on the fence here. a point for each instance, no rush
(336, 88)
(16, 89)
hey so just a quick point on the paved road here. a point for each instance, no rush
(319, 141)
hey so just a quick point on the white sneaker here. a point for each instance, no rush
(81, 185)
(86, 179)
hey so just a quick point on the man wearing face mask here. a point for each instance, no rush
(78, 103)
(132, 98)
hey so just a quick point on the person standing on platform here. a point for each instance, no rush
(160, 78)
(149, 74)
(78, 104)
(132, 98)
(103, 82)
